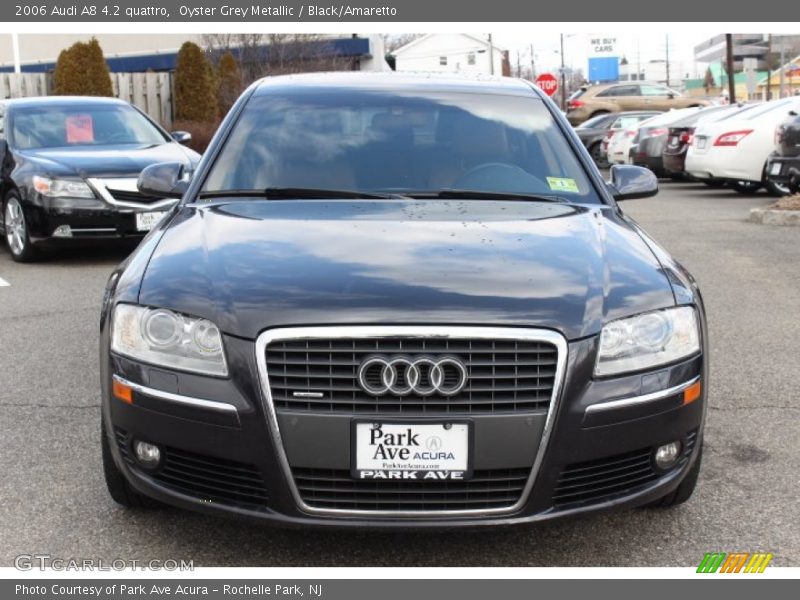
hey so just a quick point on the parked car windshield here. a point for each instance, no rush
(398, 142)
(80, 125)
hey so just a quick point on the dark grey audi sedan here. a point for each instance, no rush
(400, 301)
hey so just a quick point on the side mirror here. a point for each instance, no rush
(629, 182)
(163, 180)
(182, 137)
(671, 95)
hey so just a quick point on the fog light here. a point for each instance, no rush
(667, 455)
(148, 455)
(62, 231)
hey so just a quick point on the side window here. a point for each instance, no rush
(443, 61)
(655, 90)
(471, 58)
(621, 90)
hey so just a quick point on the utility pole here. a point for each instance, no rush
(563, 78)
(783, 62)
(769, 67)
(729, 60)
(638, 61)
(667, 60)
(15, 51)
(519, 66)
(533, 64)
(491, 56)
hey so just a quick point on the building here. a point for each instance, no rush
(158, 52)
(453, 53)
(747, 45)
(657, 71)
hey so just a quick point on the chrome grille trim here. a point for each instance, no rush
(422, 332)
(126, 184)
(504, 376)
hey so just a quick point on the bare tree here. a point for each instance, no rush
(393, 41)
(278, 53)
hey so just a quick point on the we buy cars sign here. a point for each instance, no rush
(548, 83)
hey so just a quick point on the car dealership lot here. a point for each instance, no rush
(53, 500)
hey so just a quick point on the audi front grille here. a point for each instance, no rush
(325, 370)
(321, 375)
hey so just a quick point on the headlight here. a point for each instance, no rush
(162, 337)
(62, 188)
(647, 340)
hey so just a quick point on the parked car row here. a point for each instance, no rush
(744, 146)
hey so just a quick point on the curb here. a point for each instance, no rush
(766, 216)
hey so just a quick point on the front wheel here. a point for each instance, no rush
(777, 189)
(599, 158)
(16, 229)
(746, 187)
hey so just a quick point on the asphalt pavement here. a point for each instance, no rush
(53, 500)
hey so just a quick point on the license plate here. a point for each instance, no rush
(701, 143)
(775, 169)
(147, 220)
(411, 451)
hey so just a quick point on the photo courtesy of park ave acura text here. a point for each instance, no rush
(371, 297)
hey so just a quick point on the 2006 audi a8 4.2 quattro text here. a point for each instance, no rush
(387, 301)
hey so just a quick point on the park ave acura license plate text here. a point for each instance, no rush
(425, 451)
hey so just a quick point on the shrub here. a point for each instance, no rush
(229, 82)
(81, 70)
(195, 92)
(201, 132)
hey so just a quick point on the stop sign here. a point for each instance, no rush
(548, 83)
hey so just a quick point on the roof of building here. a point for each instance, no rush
(427, 36)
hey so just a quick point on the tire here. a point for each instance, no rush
(715, 183)
(685, 488)
(776, 189)
(745, 187)
(118, 487)
(15, 229)
(595, 150)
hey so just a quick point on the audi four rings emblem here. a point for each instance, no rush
(405, 375)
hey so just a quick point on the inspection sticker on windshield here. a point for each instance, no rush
(562, 184)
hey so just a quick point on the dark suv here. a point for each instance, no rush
(783, 166)
(394, 301)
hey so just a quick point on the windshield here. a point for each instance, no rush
(398, 142)
(80, 125)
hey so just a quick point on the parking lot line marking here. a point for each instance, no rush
(4, 283)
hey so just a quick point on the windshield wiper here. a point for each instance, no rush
(485, 195)
(299, 193)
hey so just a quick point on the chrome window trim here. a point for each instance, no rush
(222, 407)
(123, 183)
(644, 399)
(421, 331)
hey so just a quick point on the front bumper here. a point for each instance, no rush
(226, 440)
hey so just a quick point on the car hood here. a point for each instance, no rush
(108, 161)
(254, 265)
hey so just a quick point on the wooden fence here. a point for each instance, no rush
(151, 92)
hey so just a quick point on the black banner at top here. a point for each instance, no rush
(354, 11)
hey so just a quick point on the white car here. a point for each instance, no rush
(619, 146)
(736, 149)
